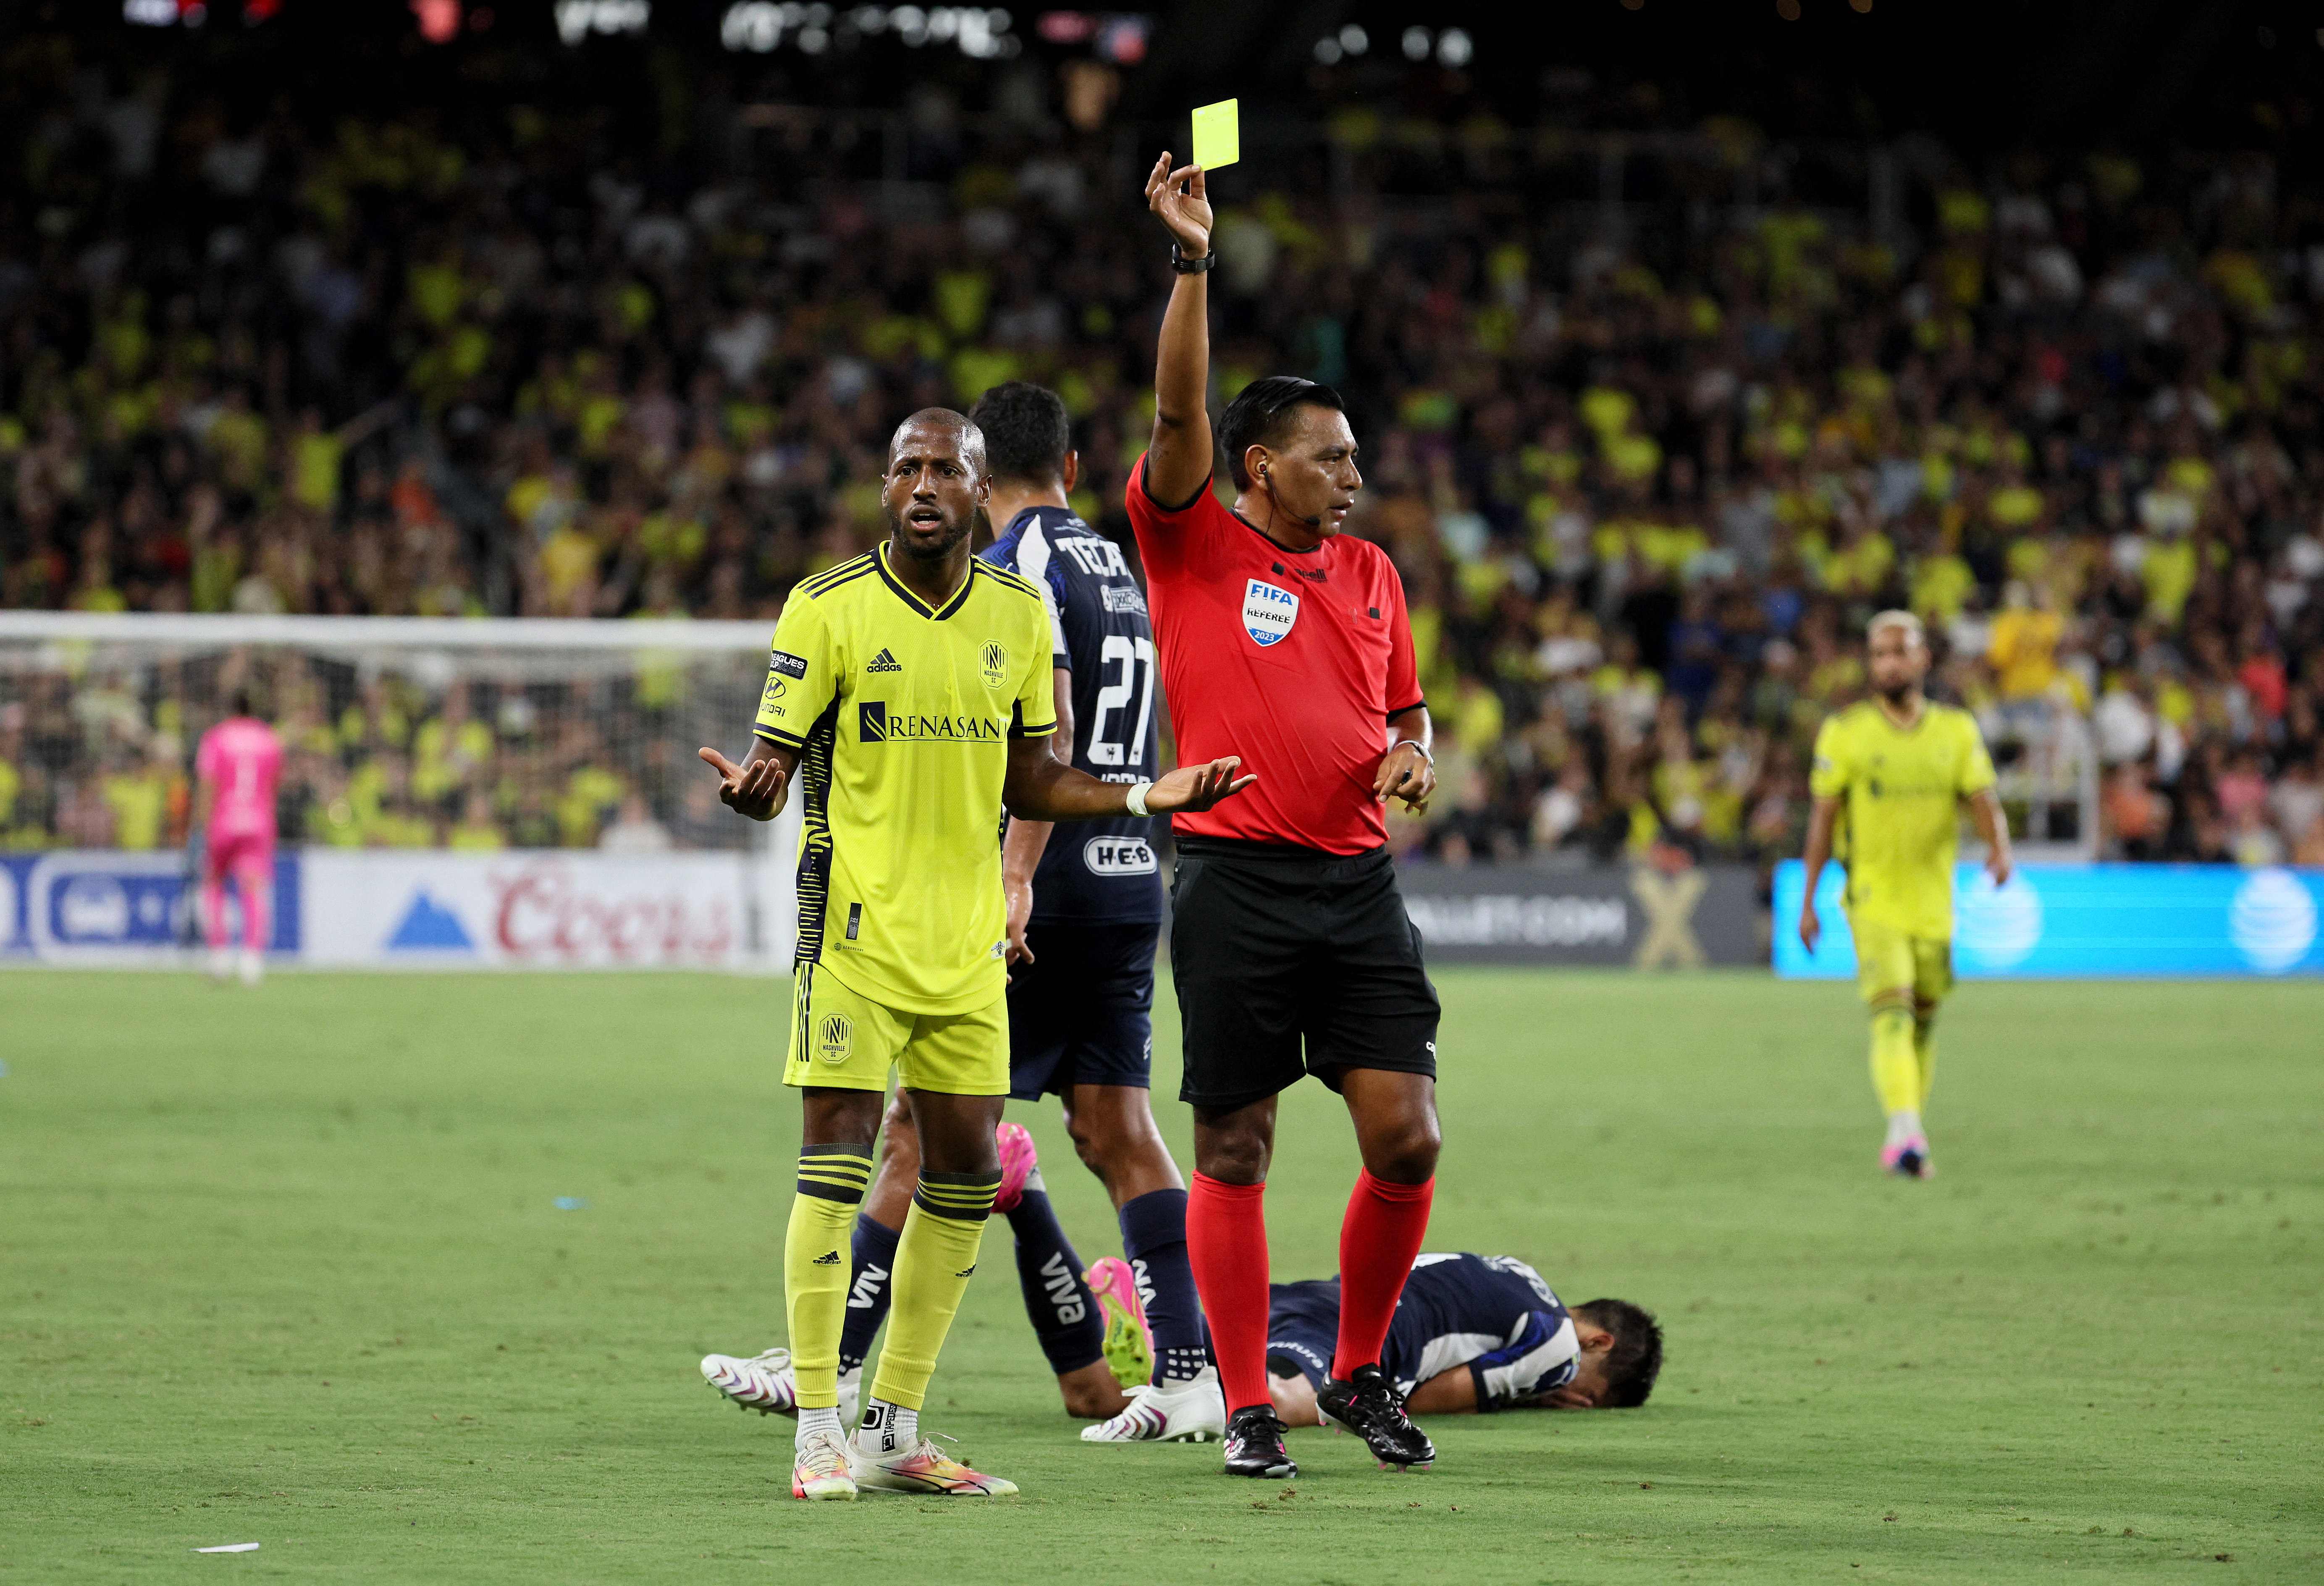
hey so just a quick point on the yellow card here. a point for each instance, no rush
(1218, 134)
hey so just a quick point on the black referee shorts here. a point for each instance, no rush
(1289, 961)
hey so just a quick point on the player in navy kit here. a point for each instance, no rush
(1084, 913)
(1470, 1332)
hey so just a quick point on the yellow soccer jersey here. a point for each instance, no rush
(902, 716)
(1900, 821)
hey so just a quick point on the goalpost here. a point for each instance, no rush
(455, 792)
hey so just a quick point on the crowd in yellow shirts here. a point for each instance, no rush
(1642, 487)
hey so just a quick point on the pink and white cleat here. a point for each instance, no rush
(1018, 1161)
(1908, 1158)
(927, 1469)
(820, 1473)
(1129, 1339)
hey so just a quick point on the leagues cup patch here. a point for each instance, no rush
(1268, 613)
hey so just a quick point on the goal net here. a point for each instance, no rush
(551, 762)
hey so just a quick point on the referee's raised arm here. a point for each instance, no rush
(1178, 460)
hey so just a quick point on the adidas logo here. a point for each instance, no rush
(828, 1258)
(883, 662)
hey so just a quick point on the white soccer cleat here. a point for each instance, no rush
(221, 965)
(927, 1470)
(1168, 1412)
(821, 1473)
(766, 1383)
(250, 967)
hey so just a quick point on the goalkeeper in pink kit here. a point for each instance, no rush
(238, 764)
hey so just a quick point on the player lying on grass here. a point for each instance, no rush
(910, 692)
(1470, 1333)
(1891, 774)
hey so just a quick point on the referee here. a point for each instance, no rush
(1289, 944)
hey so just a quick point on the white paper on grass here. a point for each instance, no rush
(231, 1547)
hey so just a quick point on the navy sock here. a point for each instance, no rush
(867, 1296)
(1154, 1238)
(1064, 1314)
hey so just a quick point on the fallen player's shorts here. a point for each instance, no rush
(1290, 962)
(848, 1042)
(1889, 962)
(1082, 1013)
(1303, 1328)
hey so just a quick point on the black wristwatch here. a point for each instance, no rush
(1185, 266)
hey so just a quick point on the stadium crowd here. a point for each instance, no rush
(1645, 476)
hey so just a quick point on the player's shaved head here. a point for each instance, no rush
(968, 439)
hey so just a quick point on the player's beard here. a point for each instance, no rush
(898, 534)
(1898, 694)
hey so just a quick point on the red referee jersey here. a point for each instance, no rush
(1293, 659)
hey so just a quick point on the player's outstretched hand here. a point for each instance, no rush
(1177, 197)
(1197, 786)
(1406, 773)
(755, 789)
(1810, 927)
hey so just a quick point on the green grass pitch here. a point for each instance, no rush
(286, 1268)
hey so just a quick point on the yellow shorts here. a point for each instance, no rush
(1891, 966)
(850, 1042)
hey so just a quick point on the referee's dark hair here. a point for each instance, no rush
(1262, 414)
(1027, 432)
(1636, 1357)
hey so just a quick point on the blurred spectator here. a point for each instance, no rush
(1643, 490)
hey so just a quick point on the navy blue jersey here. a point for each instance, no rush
(1100, 870)
(1490, 1314)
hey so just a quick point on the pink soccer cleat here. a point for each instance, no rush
(1129, 1339)
(1908, 1158)
(1018, 1161)
(927, 1469)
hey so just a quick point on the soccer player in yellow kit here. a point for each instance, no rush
(909, 693)
(1890, 775)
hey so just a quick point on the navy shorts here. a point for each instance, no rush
(1082, 1013)
(1303, 1328)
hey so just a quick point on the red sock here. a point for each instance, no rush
(1378, 1239)
(1226, 1243)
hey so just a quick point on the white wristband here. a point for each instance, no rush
(1136, 796)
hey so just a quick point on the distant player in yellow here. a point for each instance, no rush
(911, 692)
(1890, 776)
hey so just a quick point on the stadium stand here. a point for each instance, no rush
(1644, 474)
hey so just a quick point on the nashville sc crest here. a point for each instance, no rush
(834, 1033)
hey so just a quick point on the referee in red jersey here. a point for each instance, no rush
(1290, 943)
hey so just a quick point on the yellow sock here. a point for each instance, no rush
(933, 1257)
(1896, 1070)
(816, 1264)
(1925, 1050)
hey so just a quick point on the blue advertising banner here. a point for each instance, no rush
(98, 907)
(2087, 920)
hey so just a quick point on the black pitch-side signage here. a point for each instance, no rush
(1539, 914)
